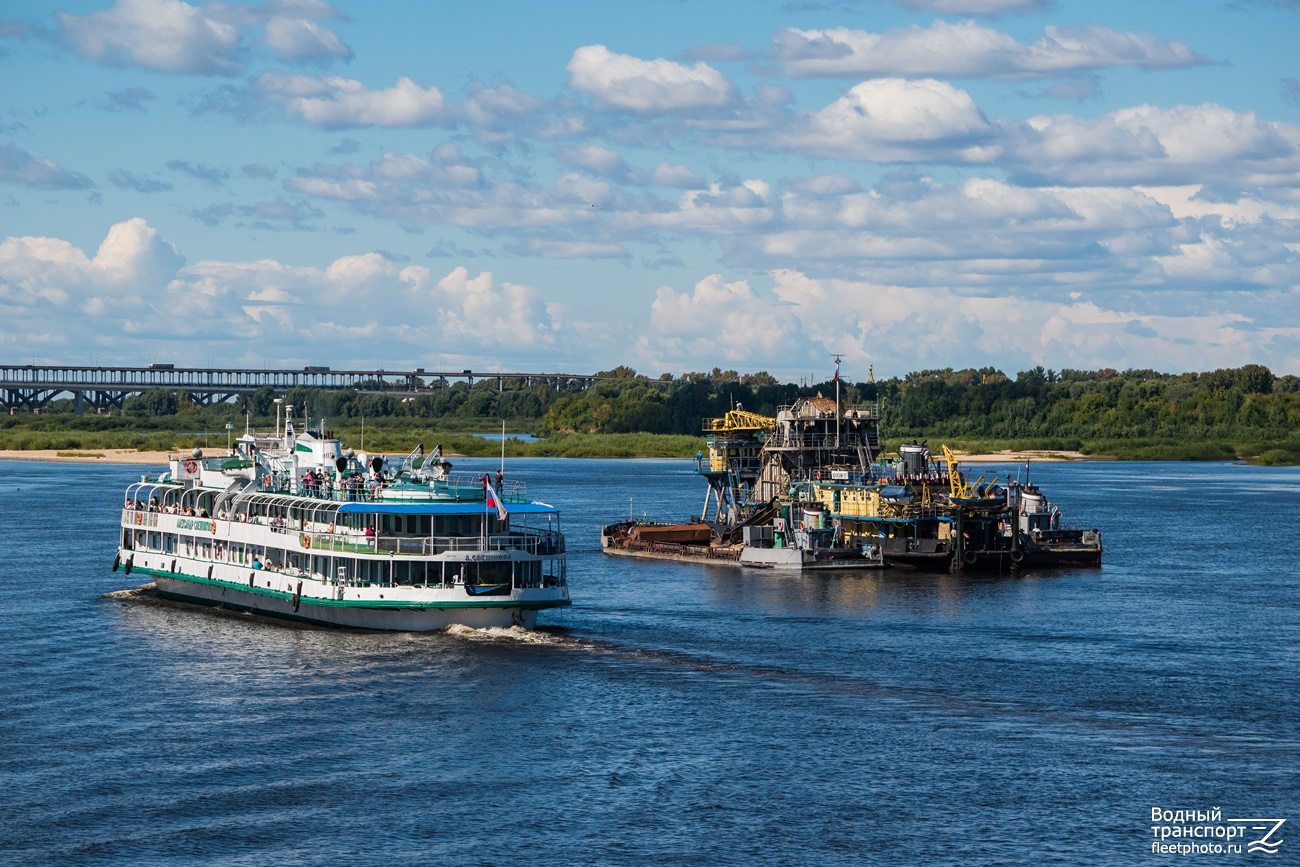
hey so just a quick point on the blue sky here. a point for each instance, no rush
(669, 185)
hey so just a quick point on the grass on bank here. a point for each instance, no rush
(1270, 453)
(556, 446)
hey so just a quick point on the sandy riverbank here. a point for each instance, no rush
(105, 456)
(87, 456)
(1017, 457)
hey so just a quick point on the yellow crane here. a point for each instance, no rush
(957, 486)
(738, 420)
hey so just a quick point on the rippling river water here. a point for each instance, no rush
(677, 713)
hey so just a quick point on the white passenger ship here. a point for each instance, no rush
(295, 526)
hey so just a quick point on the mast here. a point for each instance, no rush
(837, 357)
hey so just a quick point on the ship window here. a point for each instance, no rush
(425, 522)
(418, 572)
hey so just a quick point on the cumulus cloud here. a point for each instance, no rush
(335, 103)
(620, 81)
(1146, 144)
(49, 277)
(717, 319)
(17, 166)
(128, 294)
(894, 120)
(480, 309)
(719, 208)
(163, 35)
(210, 39)
(863, 319)
(970, 50)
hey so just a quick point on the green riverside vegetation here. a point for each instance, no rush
(1243, 413)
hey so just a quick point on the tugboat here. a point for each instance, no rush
(927, 516)
(298, 527)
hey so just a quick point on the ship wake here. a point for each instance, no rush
(511, 633)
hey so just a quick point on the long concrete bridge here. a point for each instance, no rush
(32, 386)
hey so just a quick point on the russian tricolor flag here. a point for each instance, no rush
(493, 501)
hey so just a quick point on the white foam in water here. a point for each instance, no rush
(132, 593)
(500, 633)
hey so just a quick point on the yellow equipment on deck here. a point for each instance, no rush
(957, 486)
(737, 420)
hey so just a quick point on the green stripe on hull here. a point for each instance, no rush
(380, 604)
(235, 606)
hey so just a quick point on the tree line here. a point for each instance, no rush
(1069, 409)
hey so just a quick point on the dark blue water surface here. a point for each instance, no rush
(677, 713)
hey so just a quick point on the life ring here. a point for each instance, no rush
(817, 474)
(969, 557)
(117, 561)
(266, 480)
(305, 540)
(1017, 556)
(139, 519)
(191, 467)
(331, 528)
